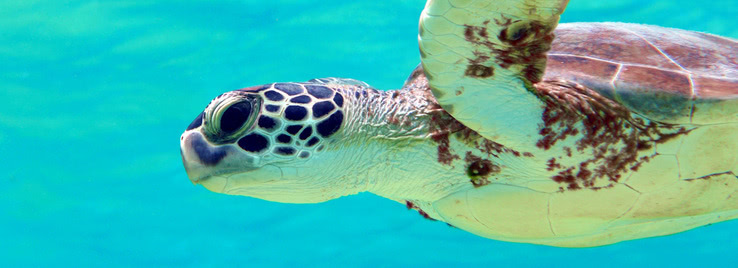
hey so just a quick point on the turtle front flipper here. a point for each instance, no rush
(482, 58)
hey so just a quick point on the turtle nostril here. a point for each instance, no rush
(235, 116)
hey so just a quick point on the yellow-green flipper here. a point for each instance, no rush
(515, 128)
(482, 58)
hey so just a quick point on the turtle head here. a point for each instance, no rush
(262, 142)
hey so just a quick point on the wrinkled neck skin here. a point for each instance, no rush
(385, 147)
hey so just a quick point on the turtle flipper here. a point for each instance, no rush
(482, 58)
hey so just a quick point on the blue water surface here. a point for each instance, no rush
(94, 96)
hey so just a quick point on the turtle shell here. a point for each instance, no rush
(667, 75)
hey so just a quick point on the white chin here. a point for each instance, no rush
(269, 183)
(228, 182)
(280, 193)
(215, 183)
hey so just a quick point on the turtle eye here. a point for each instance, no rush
(227, 118)
(235, 116)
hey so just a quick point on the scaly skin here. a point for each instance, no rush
(402, 146)
(558, 160)
(485, 61)
(383, 146)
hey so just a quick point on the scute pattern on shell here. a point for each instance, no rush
(668, 75)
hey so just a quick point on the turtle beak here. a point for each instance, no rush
(193, 172)
(212, 165)
(198, 156)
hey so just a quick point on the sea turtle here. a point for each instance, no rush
(512, 128)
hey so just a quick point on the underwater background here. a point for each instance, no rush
(94, 96)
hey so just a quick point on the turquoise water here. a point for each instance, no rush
(94, 96)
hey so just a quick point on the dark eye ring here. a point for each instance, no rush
(228, 117)
(235, 116)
